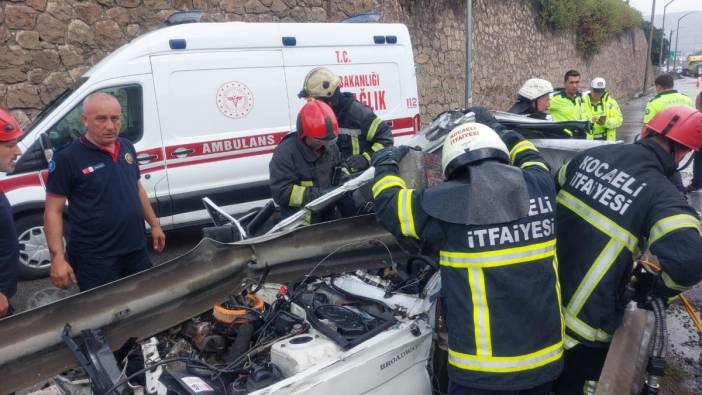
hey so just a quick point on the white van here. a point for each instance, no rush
(205, 104)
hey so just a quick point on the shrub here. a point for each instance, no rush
(594, 22)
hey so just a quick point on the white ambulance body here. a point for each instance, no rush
(205, 105)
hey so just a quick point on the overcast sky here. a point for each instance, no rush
(690, 29)
(678, 5)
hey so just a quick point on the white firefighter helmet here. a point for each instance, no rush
(534, 88)
(320, 82)
(471, 142)
(598, 84)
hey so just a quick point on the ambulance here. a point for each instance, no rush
(205, 105)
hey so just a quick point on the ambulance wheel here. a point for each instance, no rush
(34, 257)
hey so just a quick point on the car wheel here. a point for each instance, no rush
(34, 257)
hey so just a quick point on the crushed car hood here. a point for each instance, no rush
(149, 302)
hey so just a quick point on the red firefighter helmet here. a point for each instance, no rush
(680, 124)
(316, 119)
(9, 127)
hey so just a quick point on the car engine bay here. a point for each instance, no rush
(267, 335)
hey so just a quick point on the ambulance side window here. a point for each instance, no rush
(130, 99)
(70, 127)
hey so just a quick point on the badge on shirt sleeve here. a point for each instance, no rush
(52, 166)
(129, 158)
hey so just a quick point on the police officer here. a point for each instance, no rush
(666, 97)
(603, 111)
(99, 176)
(493, 221)
(361, 131)
(614, 200)
(10, 131)
(306, 162)
(567, 104)
(533, 99)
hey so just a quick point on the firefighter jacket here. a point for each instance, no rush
(361, 131)
(564, 108)
(608, 108)
(499, 280)
(299, 175)
(614, 202)
(664, 100)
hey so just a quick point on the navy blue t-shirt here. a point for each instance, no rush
(9, 249)
(104, 209)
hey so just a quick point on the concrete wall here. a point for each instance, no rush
(45, 45)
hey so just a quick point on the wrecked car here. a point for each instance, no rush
(341, 307)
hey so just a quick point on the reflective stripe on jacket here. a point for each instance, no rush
(615, 201)
(298, 175)
(607, 107)
(500, 280)
(361, 131)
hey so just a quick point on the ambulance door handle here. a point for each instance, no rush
(144, 159)
(182, 152)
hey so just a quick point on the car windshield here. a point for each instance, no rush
(53, 104)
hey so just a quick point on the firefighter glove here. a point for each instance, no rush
(357, 163)
(484, 116)
(389, 156)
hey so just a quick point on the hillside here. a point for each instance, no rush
(690, 39)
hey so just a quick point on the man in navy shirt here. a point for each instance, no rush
(10, 131)
(99, 175)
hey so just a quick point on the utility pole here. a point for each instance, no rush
(650, 44)
(677, 35)
(469, 55)
(660, 52)
(670, 40)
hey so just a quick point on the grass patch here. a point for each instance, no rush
(595, 22)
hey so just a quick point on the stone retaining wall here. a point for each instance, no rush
(45, 45)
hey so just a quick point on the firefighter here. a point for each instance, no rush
(493, 222)
(614, 201)
(533, 99)
(362, 132)
(696, 183)
(305, 162)
(603, 111)
(567, 104)
(666, 97)
(10, 131)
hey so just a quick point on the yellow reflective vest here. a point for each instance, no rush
(608, 108)
(565, 108)
(664, 100)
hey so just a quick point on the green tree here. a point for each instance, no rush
(656, 46)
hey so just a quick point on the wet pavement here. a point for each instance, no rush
(684, 371)
(633, 109)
